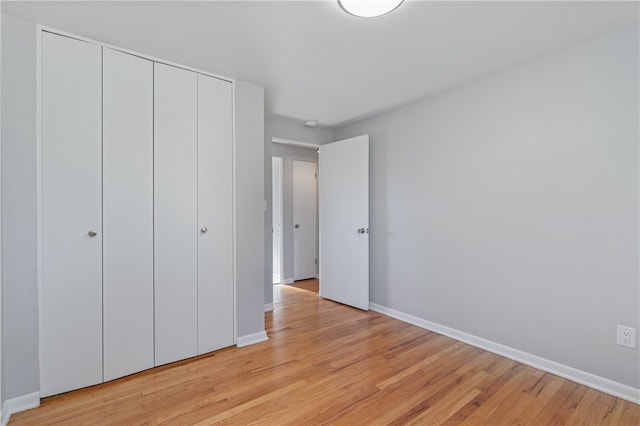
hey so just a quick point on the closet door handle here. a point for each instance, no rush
(204, 229)
(92, 233)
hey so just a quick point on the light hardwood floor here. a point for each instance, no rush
(309, 285)
(326, 363)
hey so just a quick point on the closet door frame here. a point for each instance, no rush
(40, 29)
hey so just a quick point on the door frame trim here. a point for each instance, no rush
(292, 142)
(281, 218)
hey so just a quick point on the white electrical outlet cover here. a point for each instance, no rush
(626, 336)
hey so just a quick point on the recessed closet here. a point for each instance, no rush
(137, 215)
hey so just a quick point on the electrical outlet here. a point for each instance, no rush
(626, 336)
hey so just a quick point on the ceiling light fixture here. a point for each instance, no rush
(369, 8)
(311, 123)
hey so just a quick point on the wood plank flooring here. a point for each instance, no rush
(309, 285)
(325, 364)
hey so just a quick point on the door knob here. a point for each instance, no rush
(204, 229)
(361, 231)
(92, 233)
(297, 226)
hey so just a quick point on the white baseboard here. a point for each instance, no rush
(21, 403)
(251, 339)
(288, 280)
(268, 307)
(584, 378)
(4, 415)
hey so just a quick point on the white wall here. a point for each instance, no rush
(20, 299)
(508, 208)
(285, 128)
(249, 208)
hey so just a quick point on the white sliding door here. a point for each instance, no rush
(127, 213)
(215, 221)
(175, 214)
(71, 214)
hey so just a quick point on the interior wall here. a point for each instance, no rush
(250, 209)
(289, 154)
(19, 238)
(285, 128)
(507, 208)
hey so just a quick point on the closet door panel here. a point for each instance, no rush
(71, 214)
(215, 239)
(127, 213)
(175, 213)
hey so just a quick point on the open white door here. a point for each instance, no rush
(344, 221)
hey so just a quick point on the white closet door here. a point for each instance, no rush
(175, 214)
(215, 241)
(71, 214)
(127, 213)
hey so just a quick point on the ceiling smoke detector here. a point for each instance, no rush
(311, 123)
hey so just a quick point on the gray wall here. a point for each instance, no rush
(288, 154)
(285, 128)
(20, 299)
(249, 208)
(508, 208)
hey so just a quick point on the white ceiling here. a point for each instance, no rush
(317, 62)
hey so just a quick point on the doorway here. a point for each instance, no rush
(276, 229)
(287, 153)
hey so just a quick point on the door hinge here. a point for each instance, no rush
(316, 261)
(316, 175)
